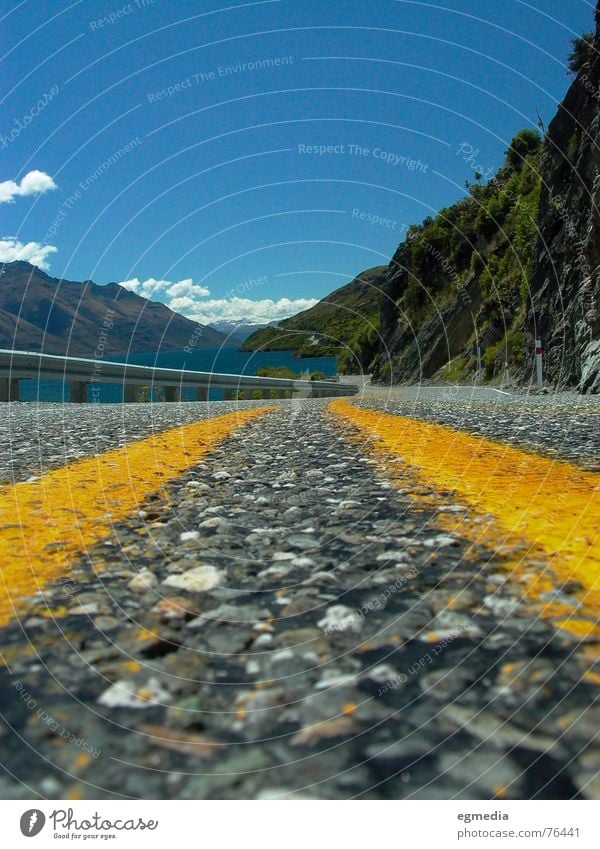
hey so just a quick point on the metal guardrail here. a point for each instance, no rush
(81, 373)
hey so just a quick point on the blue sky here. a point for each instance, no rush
(243, 159)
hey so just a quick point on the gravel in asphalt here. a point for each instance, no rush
(37, 437)
(282, 621)
(558, 425)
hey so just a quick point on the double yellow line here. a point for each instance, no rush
(551, 504)
(45, 523)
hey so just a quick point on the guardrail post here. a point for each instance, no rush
(129, 393)
(77, 391)
(9, 389)
(202, 393)
(172, 393)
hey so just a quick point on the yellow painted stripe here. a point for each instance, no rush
(43, 524)
(552, 504)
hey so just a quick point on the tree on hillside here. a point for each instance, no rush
(581, 52)
(525, 142)
(277, 371)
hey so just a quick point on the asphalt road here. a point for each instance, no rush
(292, 616)
(558, 425)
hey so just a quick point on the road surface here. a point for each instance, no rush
(310, 599)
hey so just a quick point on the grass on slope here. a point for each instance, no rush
(344, 324)
(488, 236)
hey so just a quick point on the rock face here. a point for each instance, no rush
(517, 259)
(41, 313)
(416, 351)
(458, 280)
(565, 310)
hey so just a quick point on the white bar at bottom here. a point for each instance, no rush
(296, 824)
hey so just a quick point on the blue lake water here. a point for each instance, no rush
(221, 360)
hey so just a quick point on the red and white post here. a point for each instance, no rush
(538, 364)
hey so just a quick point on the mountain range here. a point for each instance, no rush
(238, 330)
(42, 313)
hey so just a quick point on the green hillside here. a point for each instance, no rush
(344, 324)
(464, 276)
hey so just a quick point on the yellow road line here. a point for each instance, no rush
(43, 524)
(552, 504)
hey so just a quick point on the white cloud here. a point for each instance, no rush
(187, 287)
(152, 286)
(182, 304)
(237, 309)
(188, 299)
(12, 250)
(33, 183)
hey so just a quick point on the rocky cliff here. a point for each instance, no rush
(460, 280)
(515, 260)
(565, 288)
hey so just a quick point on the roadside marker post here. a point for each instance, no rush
(538, 364)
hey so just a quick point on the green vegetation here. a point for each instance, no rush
(345, 324)
(582, 49)
(475, 256)
(488, 237)
(509, 349)
(454, 371)
(284, 371)
(526, 141)
(277, 371)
